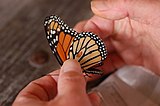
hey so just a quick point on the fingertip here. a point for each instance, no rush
(99, 4)
(71, 79)
(108, 10)
(71, 65)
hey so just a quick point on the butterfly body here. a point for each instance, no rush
(86, 47)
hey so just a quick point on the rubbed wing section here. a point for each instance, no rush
(59, 36)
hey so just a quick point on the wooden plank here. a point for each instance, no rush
(22, 33)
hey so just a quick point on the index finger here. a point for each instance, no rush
(98, 25)
(40, 90)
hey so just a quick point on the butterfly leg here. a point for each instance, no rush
(86, 74)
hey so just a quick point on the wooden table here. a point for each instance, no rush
(22, 34)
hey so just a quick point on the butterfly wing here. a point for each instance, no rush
(88, 49)
(59, 36)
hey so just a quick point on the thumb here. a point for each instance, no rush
(109, 9)
(71, 80)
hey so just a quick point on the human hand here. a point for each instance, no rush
(130, 29)
(68, 90)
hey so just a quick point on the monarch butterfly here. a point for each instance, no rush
(87, 48)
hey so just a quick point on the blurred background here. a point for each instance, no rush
(24, 51)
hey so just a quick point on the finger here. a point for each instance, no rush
(42, 89)
(71, 80)
(55, 75)
(118, 9)
(109, 9)
(79, 27)
(95, 99)
(97, 25)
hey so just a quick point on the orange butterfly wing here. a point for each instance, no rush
(59, 36)
(88, 49)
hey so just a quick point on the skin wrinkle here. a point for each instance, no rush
(140, 41)
(33, 95)
(148, 54)
(71, 77)
(151, 38)
(41, 86)
(143, 43)
(120, 27)
(136, 39)
(141, 37)
(148, 20)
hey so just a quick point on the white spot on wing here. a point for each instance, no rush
(47, 37)
(57, 38)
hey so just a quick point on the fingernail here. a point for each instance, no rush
(99, 5)
(71, 65)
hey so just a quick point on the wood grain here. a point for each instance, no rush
(22, 33)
